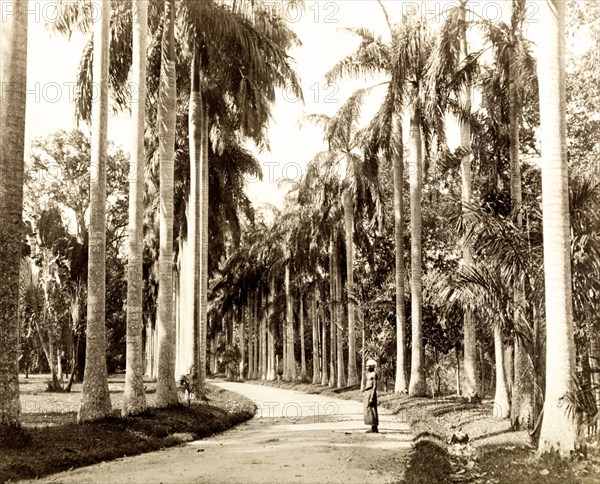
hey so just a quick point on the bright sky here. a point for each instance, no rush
(53, 61)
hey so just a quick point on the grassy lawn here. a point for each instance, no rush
(494, 453)
(51, 441)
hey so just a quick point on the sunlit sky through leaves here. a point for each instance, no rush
(53, 61)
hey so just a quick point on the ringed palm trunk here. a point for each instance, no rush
(288, 322)
(166, 391)
(471, 375)
(263, 338)
(349, 225)
(302, 344)
(242, 334)
(501, 403)
(339, 310)
(400, 384)
(522, 396)
(203, 225)
(417, 386)
(192, 285)
(316, 377)
(13, 73)
(134, 400)
(95, 399)
(324, 353)
(272, 373)
(333, 314)
(558, 431)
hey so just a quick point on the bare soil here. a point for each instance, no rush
(294, 437)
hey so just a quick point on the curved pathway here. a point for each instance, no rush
(294, 437)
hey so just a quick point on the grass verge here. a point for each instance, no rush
(62, 444)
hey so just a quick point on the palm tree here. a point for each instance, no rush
(373, 56)
(559, 430)
(95, 400)
(134, 400)
(523, 387)
(403, 60)
(355, 190)
(13, 73)
(451, 70)
(166, 392)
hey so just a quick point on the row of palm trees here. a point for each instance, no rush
(213, 31)
(429, 76)
(230, 98)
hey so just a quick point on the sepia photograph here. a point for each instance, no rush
(300, 241)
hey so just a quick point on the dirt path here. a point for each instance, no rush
(294, 437)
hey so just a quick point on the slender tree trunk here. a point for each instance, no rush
(134, 399)
(194, 231)
(324, 356)
(339, 309)
(522, 396)
(501, 403)
(243, 343)
(95, 399)
(166, 391)
(203, 225)
(471, 375)
(290, 340)
(349, 225)
(558, 431)
(229, 345)
(13, 79)
(417, 386)
(272, 373)
(257, 334)
(509, 369)
(251, 336)
(333, 315)
(303, 372)
(263, 341)
(401, 385)
(316, 377)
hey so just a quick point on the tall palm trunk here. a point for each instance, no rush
(243, 343)
(339, 317)
(272, 374)
(522, 396)
(134, 400)
(263, 339)
(229, 344)
(501, 403)
(203, 225)
(251, 336)
(166, 391)
(349, 225)
(192, 284)
(333, 314)
(471, 375)
(289, 314)
(95, 399)
(398, 168)
(316, 377)
(417, 386)
(13, 78)
(302, 343)
(324, 353)
(558, 431)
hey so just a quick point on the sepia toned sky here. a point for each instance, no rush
(53, 61)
